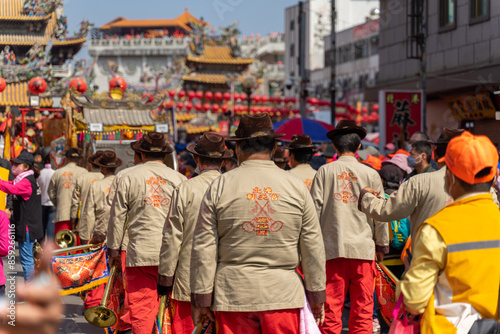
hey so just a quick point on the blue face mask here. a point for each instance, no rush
(197, 170)
(411, 161)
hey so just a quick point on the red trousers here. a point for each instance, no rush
(182, 323)
(124, 318)
(94, 296)
(142, 296)
(357, 277)
(264, 322)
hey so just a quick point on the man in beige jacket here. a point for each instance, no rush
(142, 202)
(256, 224)
(175, 256)
(301, 153)
(61, 188)
(82, 187)
(352, 240)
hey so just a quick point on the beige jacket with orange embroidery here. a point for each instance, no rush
(175, 256)
(256, 223)
(348, 232)
(142, 200)
(82, 187)
(96, 210)
(61, 188)
(304, 172)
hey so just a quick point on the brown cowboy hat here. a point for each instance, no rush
(346, 126)
(301, 142)
(94, 157)
(280, 155)
(134, 143)
(446, 136)
(108, 159)
(152, 142)
(211, 146)
(256, 126)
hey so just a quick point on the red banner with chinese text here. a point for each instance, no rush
(403, 116)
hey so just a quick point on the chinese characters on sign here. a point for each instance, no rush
(403, 116)
(472, 107)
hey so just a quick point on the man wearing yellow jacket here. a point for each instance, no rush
(454, 277)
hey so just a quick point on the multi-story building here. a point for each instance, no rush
(142, 51)
(463, 61)
(317, 26)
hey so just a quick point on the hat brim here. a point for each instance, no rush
(273, 136)
(20, 161)
(310, 147)
(281, 160)
(119, 162)
(137, 148)
(191, 149)
(357, 130)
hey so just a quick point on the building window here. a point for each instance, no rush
(479, 11)
(292, 50)
(374, 45)
(345, 54)
(292, 25)
(361, 49)
(447, 14)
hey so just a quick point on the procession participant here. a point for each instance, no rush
(142, 201)
(230, 165)
(256, 224)
(48, 209)
(280, 158)
(418, 198)
(61, 188)
(82, 186)
(301, 152)
(453, 278)
(175, 256)
(352, 240)
(27, 213)
(420, 158)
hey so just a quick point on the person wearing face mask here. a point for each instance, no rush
(420, 158)
(27, 215)
(454, 276)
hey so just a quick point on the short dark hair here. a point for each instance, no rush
(480, 187)
(440, 151)
(211, 162)
(257, 145)
(423, 146)
(154, 155)
(302, 156)
(346, 143)
(111, 169)
(73, 159)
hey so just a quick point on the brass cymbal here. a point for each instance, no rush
(100, 316)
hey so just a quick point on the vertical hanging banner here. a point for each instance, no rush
(400, 116)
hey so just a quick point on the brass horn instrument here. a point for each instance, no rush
(65, 238)
(100, 315)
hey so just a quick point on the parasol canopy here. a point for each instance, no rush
(303, 126)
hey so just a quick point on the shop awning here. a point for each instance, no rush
(109, 117)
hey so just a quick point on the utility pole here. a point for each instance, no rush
(302, 59)
(423, 62)
(333, 63)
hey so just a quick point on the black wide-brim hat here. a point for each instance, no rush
(210, 145)
(446, 136)
(108, 159)
(24, 157)
(280, 155)
(346, 126)
(152, 142)
(254, 127)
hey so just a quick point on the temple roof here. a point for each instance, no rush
(17, 94)
(207, 78)
(218, 55)
(13, 10)
(183, 21)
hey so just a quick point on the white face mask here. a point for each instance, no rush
(197, 170)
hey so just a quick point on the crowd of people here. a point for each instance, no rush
(259, 236)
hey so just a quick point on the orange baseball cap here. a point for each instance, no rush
(467, 155)
(400, 151)
(373, 161)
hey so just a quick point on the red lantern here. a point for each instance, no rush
(198, 106)
(375, 107)
(189, 106)
(243, 96)
(217, 96)
(215, 107)
(224, 108)
(256, 98)
(209, 95)
(199, 94)
(181, 94)
(258, 110)
(206, 107)
(191, 95)
(3, 85)
(227, 96)
(236, 96)
(148, 97)
(117, 82)
(364, 110)
(265, 99)
(37, 85)
(313, 101)
(79, 85)
(172, 93)
(180, 105)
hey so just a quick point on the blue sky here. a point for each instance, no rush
(254, 16)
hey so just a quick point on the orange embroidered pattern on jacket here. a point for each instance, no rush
(67, 183)
(308, 183)
(156, 197)
(345, 194)
(262, 223)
